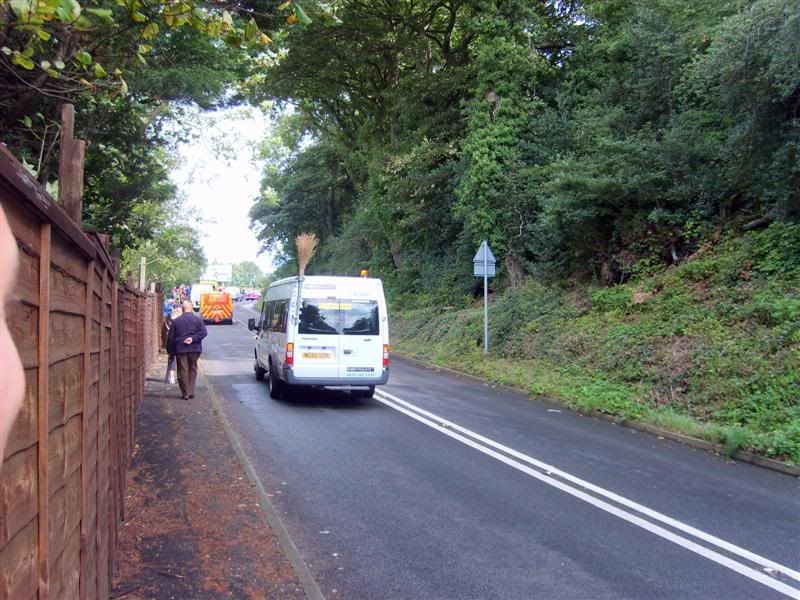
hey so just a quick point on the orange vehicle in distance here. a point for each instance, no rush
(216, 307)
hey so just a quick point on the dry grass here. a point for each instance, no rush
(306, 247)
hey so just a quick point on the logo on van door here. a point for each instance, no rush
(361, 369)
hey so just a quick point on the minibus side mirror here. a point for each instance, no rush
(251, 324)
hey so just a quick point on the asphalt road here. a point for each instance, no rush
(443, 487)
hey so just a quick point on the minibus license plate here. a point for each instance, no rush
(316, 355)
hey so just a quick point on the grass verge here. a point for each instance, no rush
(709, 348)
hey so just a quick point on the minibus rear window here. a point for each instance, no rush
(360, 317)
(319, 317)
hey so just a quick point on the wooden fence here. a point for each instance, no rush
(86, 340)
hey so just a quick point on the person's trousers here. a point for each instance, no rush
(187, 372)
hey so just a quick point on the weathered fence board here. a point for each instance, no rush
(86, 340)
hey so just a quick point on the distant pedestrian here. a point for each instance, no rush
(165, 327)
(185, 342)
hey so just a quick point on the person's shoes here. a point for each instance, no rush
(192, 396)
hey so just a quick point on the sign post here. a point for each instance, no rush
(484, 266)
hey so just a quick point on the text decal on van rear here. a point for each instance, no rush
(360, 369)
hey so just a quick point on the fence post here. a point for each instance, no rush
(87, 359)
(104, 397)
(43, 397)
(70, 167)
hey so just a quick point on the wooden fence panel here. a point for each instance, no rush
(86, 340)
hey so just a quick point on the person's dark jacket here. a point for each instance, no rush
(187, 325)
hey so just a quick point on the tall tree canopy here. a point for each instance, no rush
(129, 67)
(594, 137)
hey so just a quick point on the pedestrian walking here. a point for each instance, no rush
(165, 327)
(184, 340)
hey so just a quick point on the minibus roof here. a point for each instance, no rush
(335, 279)
(326, 285)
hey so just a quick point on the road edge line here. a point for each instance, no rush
(739, 455)
(299, 566)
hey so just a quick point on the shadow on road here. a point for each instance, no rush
(322, 398)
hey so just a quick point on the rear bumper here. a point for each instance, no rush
(290, 378)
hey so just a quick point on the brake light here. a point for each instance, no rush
(289, 354)
(386, 355)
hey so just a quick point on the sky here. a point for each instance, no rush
(218, 175)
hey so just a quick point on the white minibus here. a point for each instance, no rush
(323, 331)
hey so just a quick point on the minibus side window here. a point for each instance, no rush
(280, 316)
(276, 316)
(360, 317)
(269, 308)
(263, 319)
(319, 317)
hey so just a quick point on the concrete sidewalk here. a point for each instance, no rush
(194, 527)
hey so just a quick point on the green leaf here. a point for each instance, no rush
(20, 60)
(138, 17)
(68, 10)
(99, 71)
(27, 121)
(53, 73)
(227, 18)
(103, 13)
(6, 50)
(123, 86)
(301, 15)
(251, 31)
(22, 8)
(84, 57)
(284, 5)
(150, 31)
(59, 64)
(83, 23)
(43, 35)
(45, 64)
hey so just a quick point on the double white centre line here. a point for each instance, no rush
(749, 564)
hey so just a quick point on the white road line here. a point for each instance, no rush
(551, 470)
(484, 445)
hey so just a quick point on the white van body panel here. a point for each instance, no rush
(338, 325)
(199, 289)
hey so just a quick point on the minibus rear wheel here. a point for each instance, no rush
(276, 386)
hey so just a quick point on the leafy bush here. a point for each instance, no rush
(697, 347)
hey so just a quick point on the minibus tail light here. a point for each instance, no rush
(290, 354)
(386, 355)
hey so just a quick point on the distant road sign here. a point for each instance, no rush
(483, 266)
(219, 272)
(484, 259)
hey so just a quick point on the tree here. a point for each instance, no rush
(247, 274)
(172, 252)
